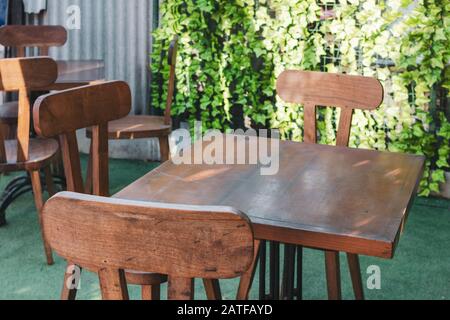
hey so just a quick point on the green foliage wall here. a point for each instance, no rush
(231, 52)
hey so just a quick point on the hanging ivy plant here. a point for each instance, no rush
(232, 51)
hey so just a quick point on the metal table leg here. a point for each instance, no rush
(274, 271)
(287, 292)
(262, 270)
(18, 187)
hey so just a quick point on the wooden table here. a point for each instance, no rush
(323, 197)
(77, 73)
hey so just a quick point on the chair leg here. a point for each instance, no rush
(49, 181)
(333, 271)
(212, 288)
(69, 291)
(150, 293)
(355, 273)
(37, 192)
(180, 289)
(247, 278)
(164, 148)
(113, 284)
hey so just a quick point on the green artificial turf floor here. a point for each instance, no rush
(420, 270)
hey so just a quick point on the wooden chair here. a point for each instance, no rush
(24, 154)
(22, 37)
(108, 236)
(62, 114)
(143, 126)
(41, 37)
(314, 89)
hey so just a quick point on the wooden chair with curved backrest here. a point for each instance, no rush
(24, 154)
(60, 115)
(108, 236)
(314, 89)
(142, 126)
(22, 37)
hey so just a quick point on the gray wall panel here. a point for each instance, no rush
(118, 32)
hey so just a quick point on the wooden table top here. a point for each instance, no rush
(323, 197)
(78, 73)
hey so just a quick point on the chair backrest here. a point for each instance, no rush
(42, 37)
(313, 89)
(22, 75)
(61, 114)
(172, 61)
(108, 236)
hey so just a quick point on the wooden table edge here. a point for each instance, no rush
(384, 249)
(68, 85)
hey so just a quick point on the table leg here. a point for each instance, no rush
(299, 290)
(262, 270)
(274, 271)
(15, 189)
(18, 187)
(287, 290)
(333, 271)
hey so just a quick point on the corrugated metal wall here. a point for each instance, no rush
(116, 31)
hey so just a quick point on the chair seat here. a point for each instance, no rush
(136, 127)
(144, 279)
(9, 113)
(41, 154)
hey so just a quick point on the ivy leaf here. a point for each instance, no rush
(426, 192)
(437, 63)
(418, 131)
(442, 163)
(434, 187)
(439, 35)
(269, 92)
(438, 176)
(259, 52)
